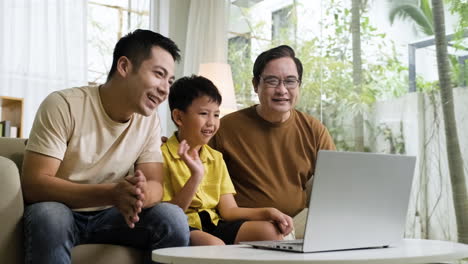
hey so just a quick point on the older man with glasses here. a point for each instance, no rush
(270, 148)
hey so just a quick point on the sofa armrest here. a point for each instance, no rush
(13, 148)
(11, 213)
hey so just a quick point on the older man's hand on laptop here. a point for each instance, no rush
(283, 221)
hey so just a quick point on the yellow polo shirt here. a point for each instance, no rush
(215, 183)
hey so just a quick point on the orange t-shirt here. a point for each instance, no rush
(270, 163)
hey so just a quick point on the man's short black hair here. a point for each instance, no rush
(186, 89)
(272, 54)
(137, 45)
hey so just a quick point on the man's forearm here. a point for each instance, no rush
(154, 194)
(74, 195)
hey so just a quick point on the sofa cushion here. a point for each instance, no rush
(104, 254)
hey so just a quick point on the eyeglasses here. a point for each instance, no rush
(274, 82)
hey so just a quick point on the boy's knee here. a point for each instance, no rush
(200, 238)
(214, 241)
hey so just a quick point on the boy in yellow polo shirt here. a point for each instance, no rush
(196, 177)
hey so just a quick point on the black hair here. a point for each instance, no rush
(137, 45)
(186, 89)
(272, 54)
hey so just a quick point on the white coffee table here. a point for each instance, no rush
(409, 251)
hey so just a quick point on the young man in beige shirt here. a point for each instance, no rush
(77, 178)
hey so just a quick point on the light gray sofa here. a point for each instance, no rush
(11, 213)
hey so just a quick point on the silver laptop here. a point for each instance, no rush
(358, 200)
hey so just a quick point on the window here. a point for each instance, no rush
(240, 44)
(281, 24)
(381, 114)
(239, 54)
(108, 21)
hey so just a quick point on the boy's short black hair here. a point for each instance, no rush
(137, 45)
(186, 89)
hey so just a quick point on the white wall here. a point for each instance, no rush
(424, 136)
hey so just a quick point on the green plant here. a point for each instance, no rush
(240, 63)
(396, 141)
(417, 11)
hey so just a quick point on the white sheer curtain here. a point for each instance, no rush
(206, 34)
(42, 49)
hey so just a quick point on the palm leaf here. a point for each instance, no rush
(413, 13)
(427, 10)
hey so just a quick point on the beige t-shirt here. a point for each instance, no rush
(72, 126)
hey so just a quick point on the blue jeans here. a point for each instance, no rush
(51, 230)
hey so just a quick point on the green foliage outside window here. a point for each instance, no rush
(327, 86)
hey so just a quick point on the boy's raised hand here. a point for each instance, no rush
(283, 221)
(191, 159)
(183, 198)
